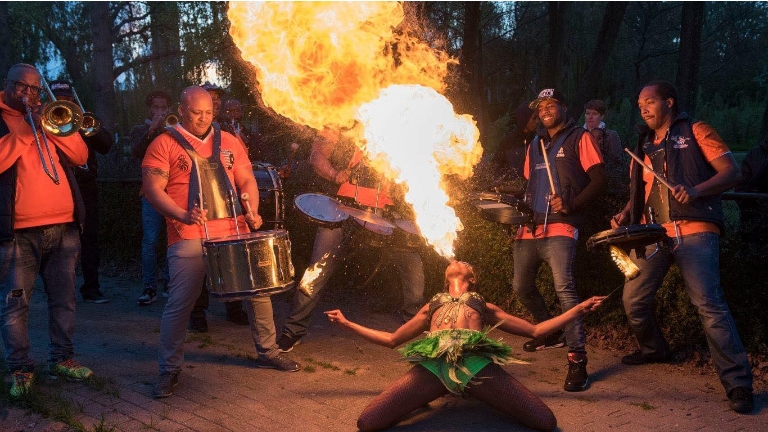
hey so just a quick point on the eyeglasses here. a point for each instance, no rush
(21, 87)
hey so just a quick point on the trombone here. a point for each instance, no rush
(90, 125)
(60, 118)
(171, 119)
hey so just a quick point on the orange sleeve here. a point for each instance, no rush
(589, 153)
(712, 146)
(527, 164)
(156, 155)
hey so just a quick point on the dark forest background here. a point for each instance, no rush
(714, 52)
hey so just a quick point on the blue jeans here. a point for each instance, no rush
(152, 224)
(187, 275)
(50, 251)
(329, 241)
(698, 257)
(558, 253)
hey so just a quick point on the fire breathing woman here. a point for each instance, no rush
(457, 356)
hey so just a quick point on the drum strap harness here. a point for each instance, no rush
(657, 206)
(209, 180)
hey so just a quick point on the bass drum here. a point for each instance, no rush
(271, 196)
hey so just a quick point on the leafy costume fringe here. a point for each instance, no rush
(456, 355)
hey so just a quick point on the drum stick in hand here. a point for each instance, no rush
(546, 163)
(245, 197)
(658, 176)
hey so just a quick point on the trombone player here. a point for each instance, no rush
(39, 225)
(98, 139)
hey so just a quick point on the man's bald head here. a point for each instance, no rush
(196, 110)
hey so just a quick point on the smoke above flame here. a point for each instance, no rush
(337, 64)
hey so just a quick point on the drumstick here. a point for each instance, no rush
(546, 163)
(245, 198)
(655, 174)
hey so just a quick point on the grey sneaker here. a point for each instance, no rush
(286, 342)
(278, 362)
(97, 298)
(552, 341)
(165, 385)
(148, 297)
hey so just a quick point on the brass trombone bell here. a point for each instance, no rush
(89, 126)
(171, 119)
(61, 118)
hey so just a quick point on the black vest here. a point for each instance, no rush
(567, 172)
(686, 166)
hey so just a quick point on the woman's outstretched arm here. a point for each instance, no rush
(514, 325)
(414, 327)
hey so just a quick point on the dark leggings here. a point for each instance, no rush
(419, 386)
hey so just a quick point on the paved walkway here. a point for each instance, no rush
(220, 390)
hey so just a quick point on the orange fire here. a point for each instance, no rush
(335, 64)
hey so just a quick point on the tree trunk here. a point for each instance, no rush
(472, 62)
(555, 69)
(102, 83)
(692, 22)
(606, 38)
(164, 27)
(5, 39)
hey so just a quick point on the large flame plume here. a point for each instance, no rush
(335, 64)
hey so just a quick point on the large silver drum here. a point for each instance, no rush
(249, 265)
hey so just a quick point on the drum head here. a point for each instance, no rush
(320, 209)
(368, 217)
(628, 237)
(408, 226)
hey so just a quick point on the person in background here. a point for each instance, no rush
(152, 222)
(40, 219)
(514, 145)
(231, 121)
(753, 213)
(100, 140)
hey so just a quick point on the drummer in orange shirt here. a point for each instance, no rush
(699, 166)
(182, 169)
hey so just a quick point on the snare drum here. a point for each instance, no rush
(407, 235)
(628, 237)
(320, 209)
(249, 265)
(271, 196)
(502, 208)
(370, 229)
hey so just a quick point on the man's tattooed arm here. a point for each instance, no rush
(155, 172)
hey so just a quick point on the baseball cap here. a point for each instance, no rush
(61, 88)
(157, 94)
(545, 94)
(212, 87)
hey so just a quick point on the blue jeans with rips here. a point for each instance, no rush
(152, 224)
(52, 252)
(329, 249)
(558, 253)
(698, 257)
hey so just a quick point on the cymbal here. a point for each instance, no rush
(366, 216)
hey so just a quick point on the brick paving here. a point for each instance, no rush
(221, 390)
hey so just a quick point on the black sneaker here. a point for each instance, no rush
(198, 324)
(637, 358)
(547, 342)
(741, 399)
(239, 317)
(278, 362)
(148, 297)
(577, 378)
(287, 342)
(164, 387)
(97, 298)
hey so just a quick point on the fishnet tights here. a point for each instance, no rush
(418, 387)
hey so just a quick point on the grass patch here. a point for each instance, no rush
(309, 368)
(587, 398)
(202, 339)
(323, 364)
(644, 405)
(351, 371)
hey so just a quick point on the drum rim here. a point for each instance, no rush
(316, 220)
(237, 238)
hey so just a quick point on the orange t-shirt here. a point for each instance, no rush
(39, 201)
(589, 156)
(168, 155)
(712, 147)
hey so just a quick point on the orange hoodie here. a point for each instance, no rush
(39, 201)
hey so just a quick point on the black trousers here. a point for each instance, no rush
(202, 303)
(90, 254)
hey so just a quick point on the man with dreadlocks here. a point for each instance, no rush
(457, 356)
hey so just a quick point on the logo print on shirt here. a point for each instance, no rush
(680, 142)
(182, 163)
(229, 159)
(560, 153)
